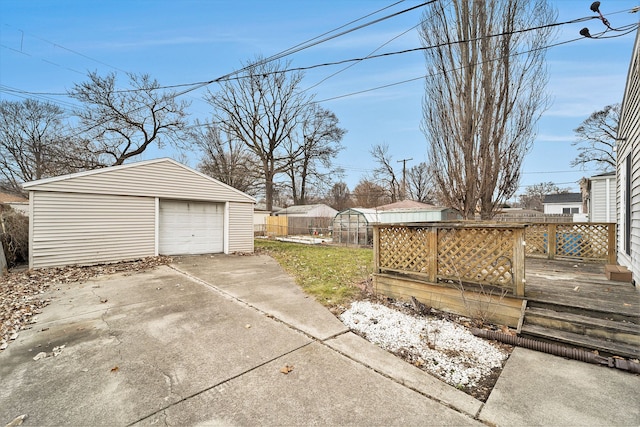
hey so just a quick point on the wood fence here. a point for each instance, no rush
(478, 269)
(587, 241)
(484, 255)
(290, 226)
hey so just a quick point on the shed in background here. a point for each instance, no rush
(149, 208)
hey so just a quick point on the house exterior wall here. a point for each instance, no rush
(628, 170)
(240, 227)
(557, 208)
(602, 206)
(75, 228)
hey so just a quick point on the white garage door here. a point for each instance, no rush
(190, 228)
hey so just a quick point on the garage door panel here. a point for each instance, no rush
(191, 227)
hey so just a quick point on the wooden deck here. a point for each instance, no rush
(581, 285)
(573, 302)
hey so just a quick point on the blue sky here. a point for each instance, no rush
(47, 46)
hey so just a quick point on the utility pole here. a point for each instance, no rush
(404, 176)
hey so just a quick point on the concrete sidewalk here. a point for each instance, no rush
(206, 341)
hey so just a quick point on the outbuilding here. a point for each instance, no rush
(148, 208)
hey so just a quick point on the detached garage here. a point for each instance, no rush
(149, 208)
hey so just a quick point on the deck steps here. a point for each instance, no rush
(590, 329)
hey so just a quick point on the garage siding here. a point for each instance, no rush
(240, 227)
(164, 179)
(90, 229)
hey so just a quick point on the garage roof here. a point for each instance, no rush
(163, 178)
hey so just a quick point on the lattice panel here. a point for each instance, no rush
(476, 255)
(404, 248)
(535, 236)
(587, 241)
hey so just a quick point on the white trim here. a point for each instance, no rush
(608, 199)
(31, 196)
(225, 232)
(157, 226)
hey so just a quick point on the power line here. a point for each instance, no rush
(282, 54)
(230, 76)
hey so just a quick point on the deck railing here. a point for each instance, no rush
(454, 253)
(588, 241)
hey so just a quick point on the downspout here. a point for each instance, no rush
(559, 350)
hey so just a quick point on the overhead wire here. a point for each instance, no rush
(193, 86)
(297, 48)
(315, 41)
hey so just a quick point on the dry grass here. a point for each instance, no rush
(327, 272)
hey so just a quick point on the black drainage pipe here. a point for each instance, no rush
(559, 350)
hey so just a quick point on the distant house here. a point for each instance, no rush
(628, 170)
(602, 198)
(563, 203)
(316, 211)
(405, 204)
(17, 203)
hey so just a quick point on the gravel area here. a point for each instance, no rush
(442, 347)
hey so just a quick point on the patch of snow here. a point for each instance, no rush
(442, 347)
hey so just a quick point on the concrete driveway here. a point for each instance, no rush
(210, 340)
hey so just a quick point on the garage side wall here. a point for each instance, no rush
(240, 230)
(84, 229)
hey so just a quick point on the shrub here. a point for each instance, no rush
(14, 235)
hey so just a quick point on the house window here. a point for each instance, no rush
(570, 210)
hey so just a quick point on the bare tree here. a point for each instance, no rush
(226, 160)
(420, 184)
(34, 143)
(263, 108)
(123, 123)
(384, 172)
(597, 139)
(368, 194)
(312, 152)
(483, 95)
(340, 197)
(534, 195)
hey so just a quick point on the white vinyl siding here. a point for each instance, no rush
(191, 227)
(113, 214)
(240, 227)
(628, 179)
(164, 179)
(90, 229)
(603, 200)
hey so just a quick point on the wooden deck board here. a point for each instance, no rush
(579, 284)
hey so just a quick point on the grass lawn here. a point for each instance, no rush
(329, 273)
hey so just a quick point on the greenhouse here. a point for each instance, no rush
(355, 226)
